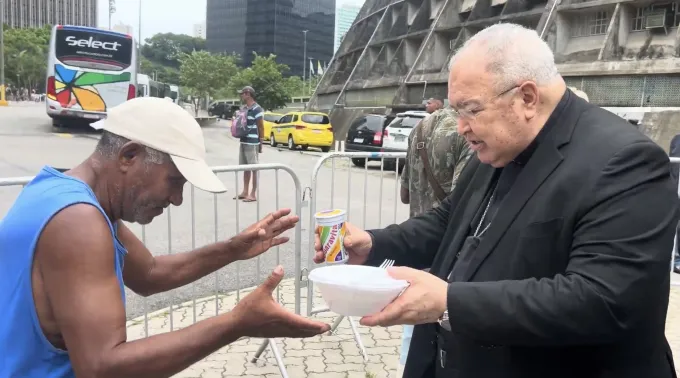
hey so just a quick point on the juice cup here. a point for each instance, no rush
(331, 226)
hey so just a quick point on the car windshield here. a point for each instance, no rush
(406, 122)
(373, 123)
(316, 119)
(272, 117)
(92, 49)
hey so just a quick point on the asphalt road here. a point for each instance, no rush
(28, 142)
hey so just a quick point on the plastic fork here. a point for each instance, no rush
(386, 264)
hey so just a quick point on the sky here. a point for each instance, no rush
(161, 16)
(158, 16)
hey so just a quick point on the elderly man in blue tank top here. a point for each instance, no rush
(63, 247)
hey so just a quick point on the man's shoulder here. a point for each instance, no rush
(600, 135)
(607, 128)
(441, 121)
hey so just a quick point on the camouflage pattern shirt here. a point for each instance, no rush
(447, 153)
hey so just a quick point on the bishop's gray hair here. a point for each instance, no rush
(110, 144)
(514, 54)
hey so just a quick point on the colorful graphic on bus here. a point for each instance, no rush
(87, 90)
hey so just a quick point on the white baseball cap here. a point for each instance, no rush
(165, 127)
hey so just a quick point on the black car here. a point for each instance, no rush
(222, 109)
(365, 134)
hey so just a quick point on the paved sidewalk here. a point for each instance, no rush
(327, 356)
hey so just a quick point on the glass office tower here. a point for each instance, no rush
(273, 26)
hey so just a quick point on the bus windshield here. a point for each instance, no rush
(89, 49)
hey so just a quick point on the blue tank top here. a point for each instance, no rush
(24, 349)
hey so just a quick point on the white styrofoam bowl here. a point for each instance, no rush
(356, 290)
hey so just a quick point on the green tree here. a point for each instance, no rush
(295, 87)
(166, 49)
(26, 56)
(162, 73)
(265, 75)
(203, 74)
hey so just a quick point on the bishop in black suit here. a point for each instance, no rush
(551, 258)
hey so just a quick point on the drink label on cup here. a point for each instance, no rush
(332, 229)
(332, 242)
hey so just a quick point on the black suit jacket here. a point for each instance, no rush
(572, 277)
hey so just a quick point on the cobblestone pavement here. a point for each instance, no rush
(327, 356)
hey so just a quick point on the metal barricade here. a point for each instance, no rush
(352, 158)
(190, 292)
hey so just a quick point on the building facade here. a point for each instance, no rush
(123, 28)
(199, 30)
(37, 13)
(345, 15)
(624, 54)
(272, 27)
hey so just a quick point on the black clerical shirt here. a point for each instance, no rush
(503, 180)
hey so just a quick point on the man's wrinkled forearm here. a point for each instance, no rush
(173, 271)
(167, 354)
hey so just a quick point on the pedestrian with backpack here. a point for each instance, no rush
(248, 126)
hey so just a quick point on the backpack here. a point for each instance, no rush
(239, 123)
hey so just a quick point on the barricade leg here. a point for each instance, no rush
(275, 351)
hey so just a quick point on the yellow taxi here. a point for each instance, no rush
(303, 129)
(269, 121)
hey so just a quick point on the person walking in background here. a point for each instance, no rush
(251, 143)
(435, 157)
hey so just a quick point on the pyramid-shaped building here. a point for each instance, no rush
(624, 54)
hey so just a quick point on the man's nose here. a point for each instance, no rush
(177, 198)
(463, 126)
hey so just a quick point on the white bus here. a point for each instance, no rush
(146, 87)
(89, 70)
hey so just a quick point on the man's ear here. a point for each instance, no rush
(529, 94)
(130, 153)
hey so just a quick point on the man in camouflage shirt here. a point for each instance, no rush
(447, 153)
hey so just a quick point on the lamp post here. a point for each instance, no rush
(139, 39)
(304, 63)
(3, 101)
(112, 10)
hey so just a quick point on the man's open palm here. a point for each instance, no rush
(259, 237)
(261, 316)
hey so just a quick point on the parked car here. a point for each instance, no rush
(303, 129)
(270, 120)
(395, 136)
(222, 109)
(365, 134)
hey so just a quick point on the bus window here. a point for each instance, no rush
(105, 51)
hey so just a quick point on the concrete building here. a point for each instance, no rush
(123, 28)
(36, 13)
(272, 27)
(624, 54)
(199, 30)
(345, 14)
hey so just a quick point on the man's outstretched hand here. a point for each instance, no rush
(259, 237)
(260, 315)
